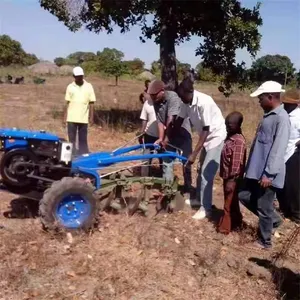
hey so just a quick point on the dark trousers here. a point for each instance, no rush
(81, 129)
(183, 140)
(289, 196)
(149, 139)
(260, 202)
(232, 217)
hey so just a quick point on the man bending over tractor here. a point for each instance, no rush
(207, 119)
(167, 106)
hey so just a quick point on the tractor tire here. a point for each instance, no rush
(12, 181)
(69, 204)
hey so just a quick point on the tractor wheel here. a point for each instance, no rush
(13, 174)
(69, 204)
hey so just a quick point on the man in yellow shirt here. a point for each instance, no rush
(79, 111)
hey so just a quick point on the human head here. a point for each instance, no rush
(78, 75)
(147, 83)
(186, 90)
(269, 95)
(234, 122)
(156, 90)
(291, 100)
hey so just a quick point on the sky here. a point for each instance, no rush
(42, 34)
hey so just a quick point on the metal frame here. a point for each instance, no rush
(91, 163)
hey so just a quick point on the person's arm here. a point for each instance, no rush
(237, 158)
(205, 116)
(144, 118)
(199, 145)
(68, 100)
(277, 152)
(174, 109)
(91, 105)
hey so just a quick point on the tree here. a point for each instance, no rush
(59, 61)
(80, 57)
(135, 66)
(11, 52)
(110, 62)
(182, 68)
(272, 67)
(225, 26)
(298, 79)
(205, 74)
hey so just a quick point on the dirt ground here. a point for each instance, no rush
(167, 257)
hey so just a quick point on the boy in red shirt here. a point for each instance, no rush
(233, 161)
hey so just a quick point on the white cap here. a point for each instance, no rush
(268, 87)
(78, 71)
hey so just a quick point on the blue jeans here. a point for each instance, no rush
(260, 202)
(208, 166)
(182, 141)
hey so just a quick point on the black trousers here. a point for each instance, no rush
(81, 129)
(289, 196)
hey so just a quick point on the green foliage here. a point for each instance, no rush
(298, 79)
(59, 61)
(11, 52)
(181, 68)
(272, 67)
(225, 26)
(109, 61)
(79, 57)
(206, 74)
(135, 66)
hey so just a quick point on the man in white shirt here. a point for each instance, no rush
(150, 129)
(289, 196)
(207, 119)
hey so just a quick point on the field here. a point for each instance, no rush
(167, 257)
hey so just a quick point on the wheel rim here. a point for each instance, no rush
(73, 210)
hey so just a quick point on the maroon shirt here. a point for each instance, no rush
(233, 157)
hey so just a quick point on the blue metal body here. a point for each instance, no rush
(18, 138)
(90, 163)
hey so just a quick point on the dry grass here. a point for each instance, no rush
(170, 257)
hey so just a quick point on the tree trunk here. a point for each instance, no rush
(168, 54)
(117, 80)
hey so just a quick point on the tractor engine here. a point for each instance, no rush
(33, 159)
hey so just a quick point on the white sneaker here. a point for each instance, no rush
(199, 215)
(192, 202)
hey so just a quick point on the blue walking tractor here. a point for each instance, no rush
(72, 190)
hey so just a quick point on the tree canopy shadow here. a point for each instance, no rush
(286, 280)
(116, 118)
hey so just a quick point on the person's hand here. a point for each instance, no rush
(192, 158)
(158, 142)
(265, 182)
(230, 186)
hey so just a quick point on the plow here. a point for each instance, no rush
(73, 190)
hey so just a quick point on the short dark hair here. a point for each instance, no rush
(237, 116)
(186, 85)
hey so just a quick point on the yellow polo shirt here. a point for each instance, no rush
(79, 98)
